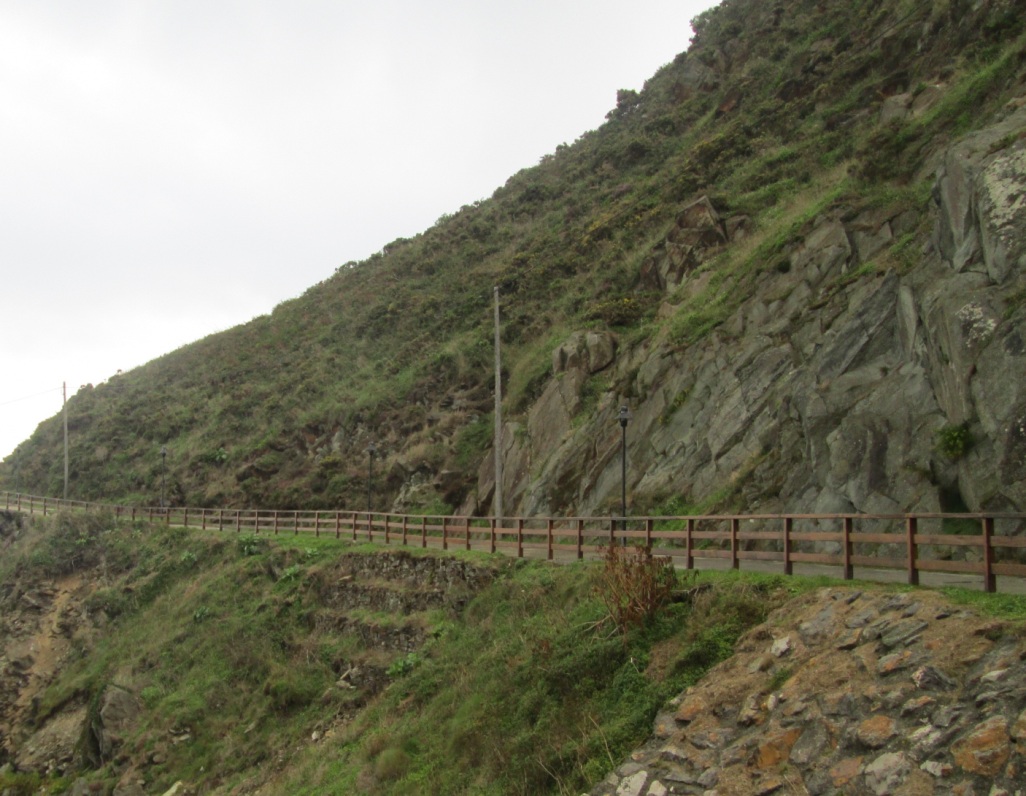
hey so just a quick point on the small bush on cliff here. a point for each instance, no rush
(954, 442)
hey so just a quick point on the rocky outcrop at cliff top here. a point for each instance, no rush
(848, 692)
(827, 389)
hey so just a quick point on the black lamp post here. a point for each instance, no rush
(371, 449)
(163, 469)
(623, 417)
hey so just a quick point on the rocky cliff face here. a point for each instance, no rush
(880, 366)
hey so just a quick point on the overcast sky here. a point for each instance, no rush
(171, 169)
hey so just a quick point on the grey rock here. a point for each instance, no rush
(886, 772)
(781, 646)
(928, 678)
(821, 626)
(813, 740)
(902, 633)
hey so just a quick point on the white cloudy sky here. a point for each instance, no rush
(171, 168)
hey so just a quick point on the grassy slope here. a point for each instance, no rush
(528, 691)
(278, 412)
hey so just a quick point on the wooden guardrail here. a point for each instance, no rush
(982, 545)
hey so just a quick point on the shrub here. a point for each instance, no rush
(633, 585)
(404, 665)
(617, 311)
(391, 764)
(954, 441)
(250, 545)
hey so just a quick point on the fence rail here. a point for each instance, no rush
(981, 545)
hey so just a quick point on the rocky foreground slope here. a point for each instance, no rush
(849, 692)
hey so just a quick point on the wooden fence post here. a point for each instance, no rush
(989, 580)
(911, 526)
(735, 562)
(580, 539)
(849, 570)
(689, 542)
(788, 563)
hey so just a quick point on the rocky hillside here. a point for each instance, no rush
(796, 255)
(850, 380)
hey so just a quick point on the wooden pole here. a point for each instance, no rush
(497, 444)
(65, 391)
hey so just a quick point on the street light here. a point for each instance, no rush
(371, 449)
(623, 417)
(163, 468)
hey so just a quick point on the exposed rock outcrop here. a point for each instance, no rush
(827, 389)
(848, 692)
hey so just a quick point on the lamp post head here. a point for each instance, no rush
(163, 450)
(624, 416)
(372, 449)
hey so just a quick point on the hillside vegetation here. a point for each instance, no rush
(142, 655)
(756, 252)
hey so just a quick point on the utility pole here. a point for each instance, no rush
(498, 415)
(371, 450)
(65, 391)
(623, 416)
(163, 480)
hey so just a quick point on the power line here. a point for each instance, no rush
(29, 397)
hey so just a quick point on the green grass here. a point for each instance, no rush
(1001, 606)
